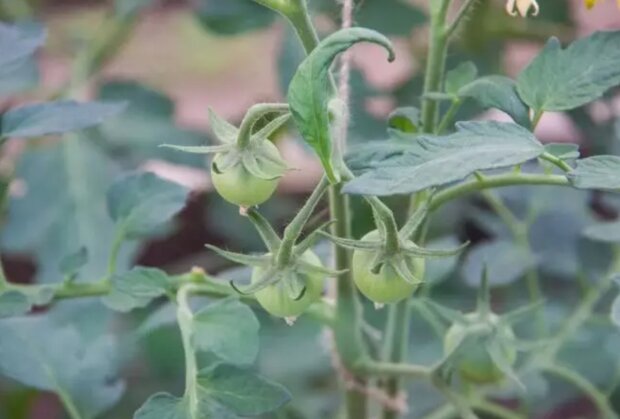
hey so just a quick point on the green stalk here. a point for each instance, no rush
(347, 327)
(398, 336)
(436, 62)
(184, 319)
(294, 229)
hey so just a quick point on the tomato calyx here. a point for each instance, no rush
(246, 147)
(393, 249)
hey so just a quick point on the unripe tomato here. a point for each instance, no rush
(275, 298)
(386, 286)
(240, 187)
(473, 362)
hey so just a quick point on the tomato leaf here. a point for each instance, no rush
(608, 232)
(14, 303)
(229, 329)
(504, 260)
(460, 76)
(311, 90)
(232, 16)
(434, 161)
(598, 172)
(562, 79)
(242, 391)
(142, 202)
(136, 288)
(55, 117)
(40, 354)
(498, 92)
(18, 66)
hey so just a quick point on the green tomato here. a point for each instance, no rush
(275, 298)
(386, 286)
(473, 363)
(240, 187)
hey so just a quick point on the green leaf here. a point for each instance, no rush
(18, 65)
(148, 121)
(136, 288)
(39, 354)
(562, 79)
(405, 119)
(229, 329)
(504, 260)
(128, 8)
(604, 232)
(14, 303)
(564, 151)
(311, 90)
(598, 172)
(498, 92)
(459, 77)
(61, 213)
(434, 161)
(163, 406)
(71, 264)
(142, 202)
(55, 117)
(232, 16)
(390, 17)
(242, 391)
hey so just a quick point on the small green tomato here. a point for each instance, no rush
(275, 298)
(386, 286)
(473, 363)
(240, 187)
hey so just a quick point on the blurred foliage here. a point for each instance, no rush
(73, 176)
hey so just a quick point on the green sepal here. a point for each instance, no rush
(295, 286)
(414, 250)
(265, 230)
(311, 238)
(351, 243)
(224, 131)
(402, 269)
(308, 268)
(200, 149)
(270, 277)
(250, 260)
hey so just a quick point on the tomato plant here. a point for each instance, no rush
(343, 304)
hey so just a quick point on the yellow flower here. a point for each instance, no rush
(523, 7)
(591, 3)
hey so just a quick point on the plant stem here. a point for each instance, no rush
(449, 116)
(556, 161)
(392, 369)
(435, 65)
(398, 337)
(497, 181)
(598, 398)
(185, 319)
(459, 17)
(119, 238)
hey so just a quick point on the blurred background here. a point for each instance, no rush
(174, 60)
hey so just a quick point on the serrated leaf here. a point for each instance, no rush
(498, 92)
(311, 90)
(598, 172)
(142, 202)
(604, 232)
(562, 79)
(58, 117)
(229, 329)
(162, 406)
(39, 354)
(136, 288)
(242, 391)
(459, 77)
(14, 303)
(504, 260)
(435, 161)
